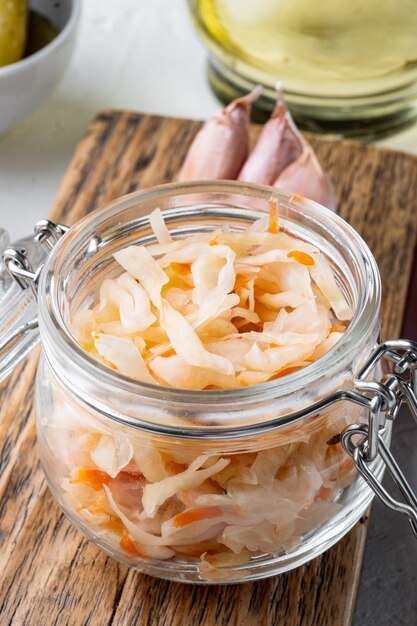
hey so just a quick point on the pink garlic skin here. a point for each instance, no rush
(305, 177)
(221, 146)
(278, 145)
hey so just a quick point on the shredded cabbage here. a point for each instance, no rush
(216, 510)
(215, 310)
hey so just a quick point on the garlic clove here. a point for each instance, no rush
(279, 144)
(221, 146)
(305, 177)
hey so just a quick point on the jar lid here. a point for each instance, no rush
(18, 309)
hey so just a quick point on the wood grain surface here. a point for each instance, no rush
(49, 573)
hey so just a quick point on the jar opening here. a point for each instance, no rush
(84, 256)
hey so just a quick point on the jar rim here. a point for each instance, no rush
(56, 335)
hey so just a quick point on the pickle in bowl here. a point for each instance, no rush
(13, 30)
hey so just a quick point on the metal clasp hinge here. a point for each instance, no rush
(364, 442)
(17, 262)
(19, 331)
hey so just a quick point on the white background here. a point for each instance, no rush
(132, 54)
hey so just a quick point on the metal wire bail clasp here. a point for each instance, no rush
(364, 442)
(23, 260)
(16, 258)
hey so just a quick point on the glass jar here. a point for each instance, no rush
(346, 66)
(268, 459)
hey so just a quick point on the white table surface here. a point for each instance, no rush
(131, 54)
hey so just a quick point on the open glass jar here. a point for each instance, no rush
(212, 486)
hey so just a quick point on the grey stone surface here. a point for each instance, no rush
(388, 587)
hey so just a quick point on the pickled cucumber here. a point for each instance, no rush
(13, 29)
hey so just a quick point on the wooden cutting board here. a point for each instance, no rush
(49, 573)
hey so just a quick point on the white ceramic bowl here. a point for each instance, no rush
(26, 84)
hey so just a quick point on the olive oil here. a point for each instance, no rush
(336, 56)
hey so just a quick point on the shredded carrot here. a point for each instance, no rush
(337, 329)
(96, 509)
(183, 273)
(214, 241)
(195, 515)
(181, 268)
(115, 524)
(168, 352)
(212, 560)
(97, 478)
(99, 505)
(91, 441)
(128, 546)
(301, 257)
(324, 493)
(129, 477)
(273, 217)
(92, 477)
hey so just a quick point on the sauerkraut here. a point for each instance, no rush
(217, 310)
(208, 311)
